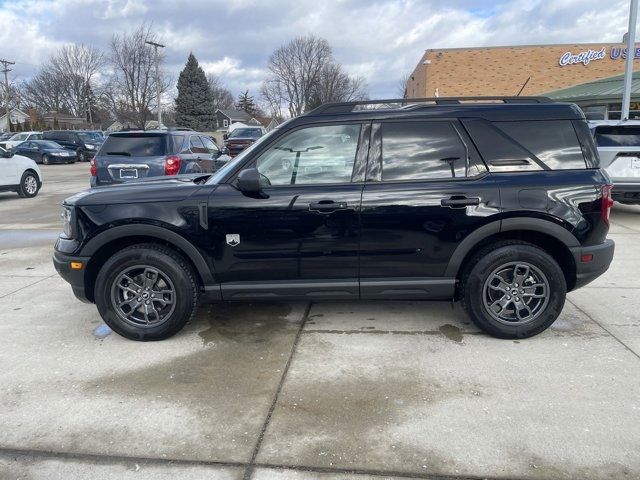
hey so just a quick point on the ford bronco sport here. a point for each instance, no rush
(497, 202)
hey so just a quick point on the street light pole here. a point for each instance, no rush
(631, 53)
(6, 70)
(155, 55)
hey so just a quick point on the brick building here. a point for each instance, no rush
(513, 70)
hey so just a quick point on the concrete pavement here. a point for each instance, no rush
(295, 391)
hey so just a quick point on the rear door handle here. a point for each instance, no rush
(327, 206)
(459, 201)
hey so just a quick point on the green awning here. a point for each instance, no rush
(607, 89)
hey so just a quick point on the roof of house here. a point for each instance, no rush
(609, 88)
(14, 112)
(236, 115)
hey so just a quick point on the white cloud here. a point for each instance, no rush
(378, 39)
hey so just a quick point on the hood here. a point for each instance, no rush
(151, 189)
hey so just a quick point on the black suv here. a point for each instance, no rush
(83, 143)
(132, 155)
(498, 203)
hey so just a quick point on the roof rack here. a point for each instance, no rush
(348, 107)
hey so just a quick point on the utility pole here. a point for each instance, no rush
(6, 70)
(155, 54)
(631, 53)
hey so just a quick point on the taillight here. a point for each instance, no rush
(606, 203)
(172, 165)
(92, 168)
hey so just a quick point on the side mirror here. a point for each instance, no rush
(249, 181)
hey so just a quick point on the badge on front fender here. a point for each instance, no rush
(233, 239)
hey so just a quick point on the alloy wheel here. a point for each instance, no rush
(143, 296)
(516, 293)
(30, 185)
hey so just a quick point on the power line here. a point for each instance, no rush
(6, 70)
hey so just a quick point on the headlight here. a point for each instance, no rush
(67, 221)
(91, 147)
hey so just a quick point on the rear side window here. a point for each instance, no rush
(617, 136)
(134, 145)
(553, 142)
(176, 143)
(422, 151)
(196, 145)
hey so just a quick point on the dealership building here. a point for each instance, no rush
(589, 74)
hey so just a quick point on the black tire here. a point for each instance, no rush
(82, 156)
(45, 159)
(171, 266)
(29, 184)
(482, 289)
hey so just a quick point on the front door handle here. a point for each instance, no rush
(459, 201)
(327, 206)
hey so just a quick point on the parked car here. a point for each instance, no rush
(84, 144)
(500, 204)
(126, 156)
(46, 151)
(6, 136)
(19, 174)
(618, 145)
(17, 138)
(240, 138)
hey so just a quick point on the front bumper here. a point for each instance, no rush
(587, 271)
(75, 278)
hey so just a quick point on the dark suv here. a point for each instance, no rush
(498, 203)
(134, 155)
(83, 143)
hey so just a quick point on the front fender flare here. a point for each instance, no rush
(164, 234)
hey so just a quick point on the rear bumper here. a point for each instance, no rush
(75, 278)
(587, 271)
(626, 192)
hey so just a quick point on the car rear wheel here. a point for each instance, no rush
(29, 185)
(513, 290)
(146, 292)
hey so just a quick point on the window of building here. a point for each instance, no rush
(422, 151)
(312, 155)
(225, 122)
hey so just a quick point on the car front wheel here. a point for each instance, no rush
(513, 290)
(146, 292)
(29, 185)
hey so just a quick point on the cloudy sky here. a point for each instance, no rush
(377, 39)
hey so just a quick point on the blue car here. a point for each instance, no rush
(46, 152)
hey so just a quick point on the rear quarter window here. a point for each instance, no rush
(527, 145)
(134, 145)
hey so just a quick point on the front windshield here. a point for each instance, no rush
(222, 172)
(90, 136)
(246, 133)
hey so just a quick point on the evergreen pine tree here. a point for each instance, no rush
(246, 103)
(194, 104)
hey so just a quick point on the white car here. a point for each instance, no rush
(19, 174)
(18, 138)
(619, 150)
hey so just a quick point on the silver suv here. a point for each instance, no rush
(619, 148)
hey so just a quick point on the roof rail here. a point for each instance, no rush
(347, 107)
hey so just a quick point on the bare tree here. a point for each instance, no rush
(403, 83)
(294, 70)
(335, 85)
(131, 90)
(67, 81)
(222, 97)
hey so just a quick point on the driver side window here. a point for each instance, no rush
(312, 155)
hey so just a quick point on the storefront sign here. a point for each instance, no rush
(619, 52)
(584, 58)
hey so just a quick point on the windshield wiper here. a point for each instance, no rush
(124, 154)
